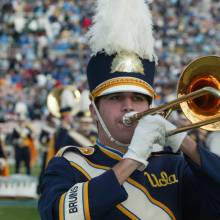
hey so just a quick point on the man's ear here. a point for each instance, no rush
(93, 113)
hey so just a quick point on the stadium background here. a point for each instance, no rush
(43, 44)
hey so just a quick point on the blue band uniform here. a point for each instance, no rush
(86, 187)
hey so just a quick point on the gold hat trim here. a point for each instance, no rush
(120, 81)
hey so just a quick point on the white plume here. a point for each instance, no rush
(122, 25)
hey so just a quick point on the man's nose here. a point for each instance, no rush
(127, 105)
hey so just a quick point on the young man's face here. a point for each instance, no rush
(112, 108)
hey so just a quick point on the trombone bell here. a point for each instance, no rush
(198, 95)
(202, 72)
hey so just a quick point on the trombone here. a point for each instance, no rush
(198, 96)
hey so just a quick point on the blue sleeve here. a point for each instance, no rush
(201, 187)
(60, 177)
(104, 194)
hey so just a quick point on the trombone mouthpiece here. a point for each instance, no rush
(128, 118)
(126, 121)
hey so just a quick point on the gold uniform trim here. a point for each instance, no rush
(120, 81)
(110, 154)
(126, 212)
(86, 150)
(140, 187)
(119, 206)
(81, 170)
(135, 183)
(129, 180)
(61, 207)
(86, 201)
(154, 201)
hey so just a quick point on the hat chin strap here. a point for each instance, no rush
(106, 129)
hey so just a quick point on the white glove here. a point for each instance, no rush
(176, 140)
(149, 133)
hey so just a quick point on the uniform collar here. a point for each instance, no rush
(111, 152)
(117, 155)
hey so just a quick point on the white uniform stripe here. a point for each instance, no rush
(73, 203)
(137, 203)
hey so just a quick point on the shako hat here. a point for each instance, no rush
(122, 43)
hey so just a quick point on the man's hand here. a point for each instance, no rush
(176, 140)
(149, 134)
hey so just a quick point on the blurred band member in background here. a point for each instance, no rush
(4, 167)
(20, 138)
(46, 134)
(66, 133)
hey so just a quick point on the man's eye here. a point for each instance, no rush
(139, 98)
(115, 97)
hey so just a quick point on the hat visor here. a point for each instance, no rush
(127, 88)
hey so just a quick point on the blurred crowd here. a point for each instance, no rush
(43, 45)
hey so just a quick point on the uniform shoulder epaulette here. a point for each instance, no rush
(85, 151)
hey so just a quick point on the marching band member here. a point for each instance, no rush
(86, 126)
(4, 168)
(46, 134)
(20, 138)
(132, 172)
(66, 133)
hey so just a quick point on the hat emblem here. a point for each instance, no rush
(127, 62)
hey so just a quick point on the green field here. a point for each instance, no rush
(35, 171)
(15, 209)
(20, 213)
(18, 209)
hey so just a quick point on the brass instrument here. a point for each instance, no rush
(198, 96)
(54, 100)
